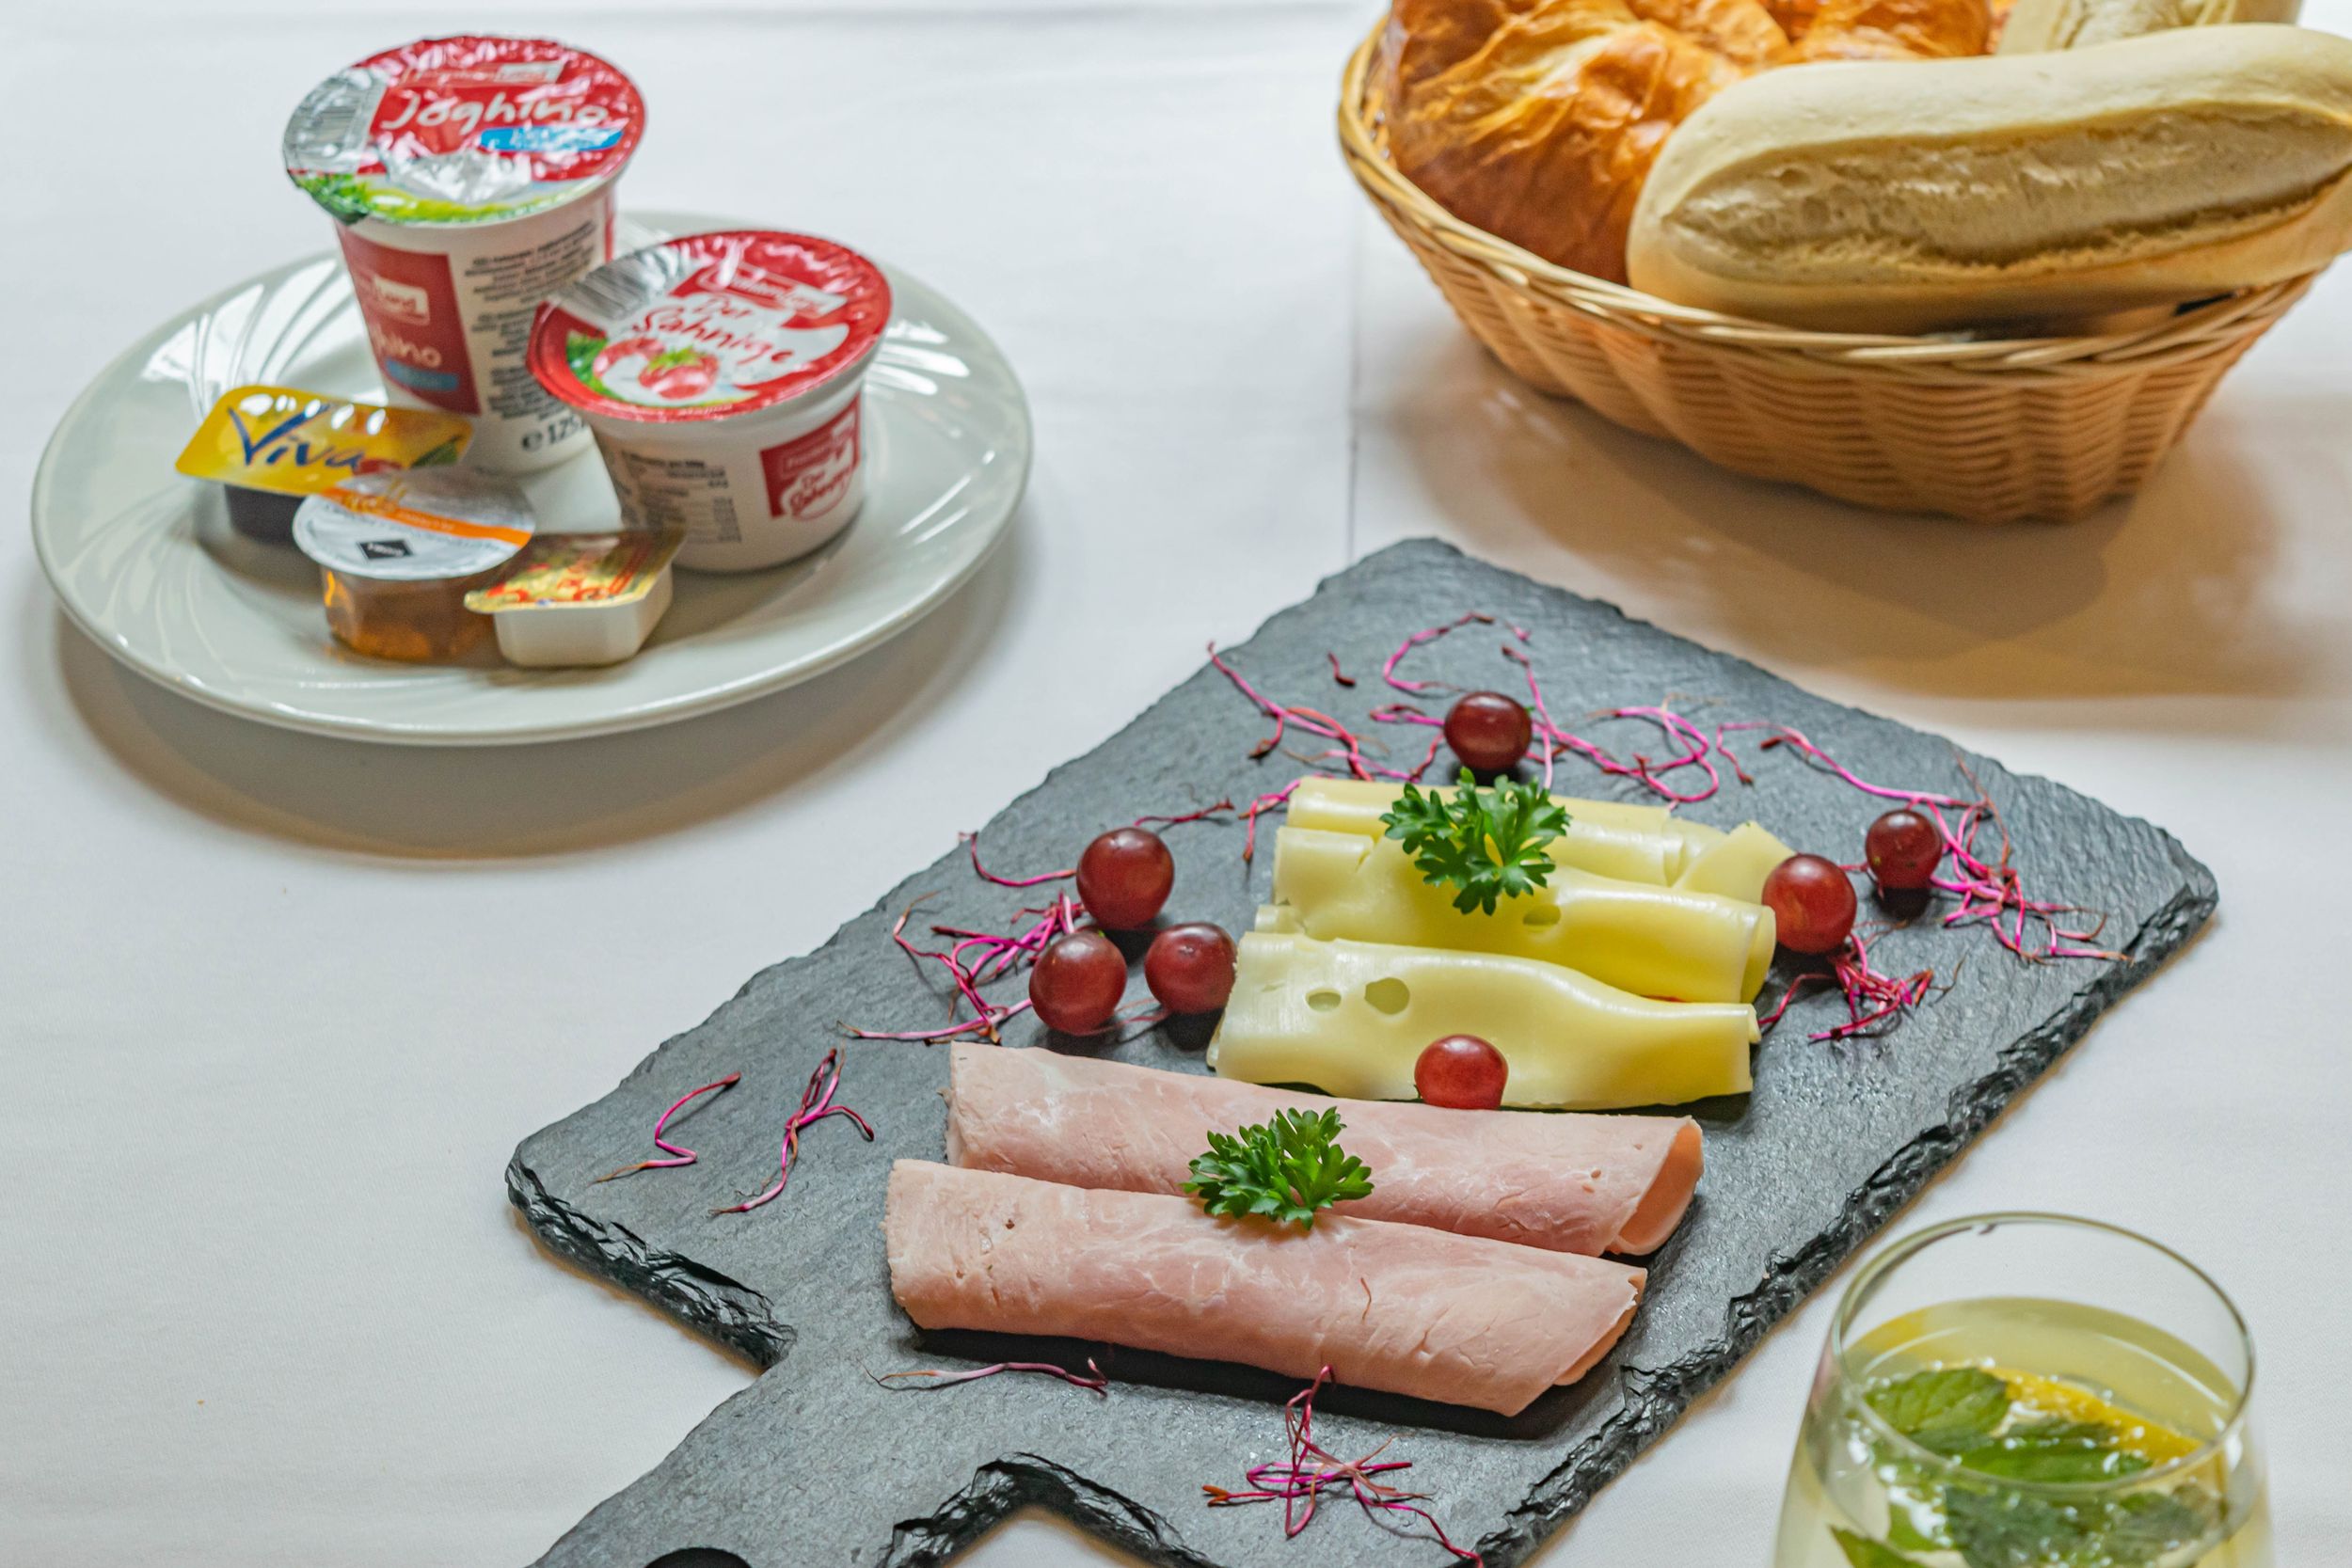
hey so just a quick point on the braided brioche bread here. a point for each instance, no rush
(1538, 120)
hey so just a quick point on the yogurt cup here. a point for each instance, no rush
(469, 179)
(723, 376)
(400, 551)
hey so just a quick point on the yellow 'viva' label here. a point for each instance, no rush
(299, 443)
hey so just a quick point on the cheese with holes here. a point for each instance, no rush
(1653, 941)
(1640, 844)
(1351, 1019)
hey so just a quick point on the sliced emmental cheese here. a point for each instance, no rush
(1652, 940)
(1735, 866)
(1638, 843)
(1352, 1017)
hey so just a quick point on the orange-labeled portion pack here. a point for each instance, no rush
(578, 569)
(272, 446)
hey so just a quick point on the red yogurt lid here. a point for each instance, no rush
(463, 130)
(710, 325)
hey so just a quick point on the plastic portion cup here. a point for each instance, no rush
(469, 179)
(399, 552)
(722, 375)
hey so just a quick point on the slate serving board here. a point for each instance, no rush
(816, 1465)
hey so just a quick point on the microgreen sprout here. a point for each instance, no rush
(680, 1156)
(816, 1105)
(1091, 1380)
(1312, 1470)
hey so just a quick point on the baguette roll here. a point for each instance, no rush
(1944, 194)
(2036, 26)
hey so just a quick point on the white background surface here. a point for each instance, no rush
(274, 1010)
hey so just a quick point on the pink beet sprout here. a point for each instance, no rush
(1990, 889)
(972, 842)
(1430, 634)
(1201, 816)
(1312, 1470)
(1872, 998)
(1313, 721)
(816, 1105)
(1091, 1380)
(1338, 675)
(681, 1156)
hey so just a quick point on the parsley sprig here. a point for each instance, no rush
(1286, 1170)
(1488, 843)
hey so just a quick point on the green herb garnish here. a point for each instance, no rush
(1945, 1411)
(1488, 843)
(1966, 1415)
(1286, 1170)
(1862, 1552)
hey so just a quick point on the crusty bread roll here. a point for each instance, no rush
(2037, 26)
(1537, 120)
(1945, 194)
(1892, 31)
(1540, 128)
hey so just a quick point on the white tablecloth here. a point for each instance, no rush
(274, 1010)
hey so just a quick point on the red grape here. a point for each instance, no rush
(1904, 849)
(1461, 1072)
(1812, 904)
(1190, 968)
(1488, 731)
(1078, 983)
(1124, 876)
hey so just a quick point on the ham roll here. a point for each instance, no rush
(1399, 1308)
(1564, 1182)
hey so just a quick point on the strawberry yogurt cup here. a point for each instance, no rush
(469, 178)
(722, 377)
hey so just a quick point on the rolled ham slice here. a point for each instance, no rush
(1399, 1308)
(1564, 1182)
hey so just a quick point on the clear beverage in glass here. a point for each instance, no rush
(2030, 1391)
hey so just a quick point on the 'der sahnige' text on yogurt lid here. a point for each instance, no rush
(724, 377)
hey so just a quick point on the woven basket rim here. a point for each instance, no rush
(2190, 329)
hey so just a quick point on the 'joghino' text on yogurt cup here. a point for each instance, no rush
(723, 376)
(469, 179)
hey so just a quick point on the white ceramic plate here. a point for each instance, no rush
(145, 561)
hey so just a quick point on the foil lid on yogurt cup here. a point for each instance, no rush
(420, 524)
(711, 325)
(463, 130)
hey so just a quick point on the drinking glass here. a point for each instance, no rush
(2030, 1391)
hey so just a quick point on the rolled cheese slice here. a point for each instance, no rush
(1638, 843)
(1400, 1307)
(1567, 1183)
(1652, 940)
(1735, 865)
(1351, 1018)
(1918, 195)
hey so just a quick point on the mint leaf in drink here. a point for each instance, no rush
(2011, 1529)
(2055, 1452)
(1947, 1411)
(2148, 1526)
(1862, 1552)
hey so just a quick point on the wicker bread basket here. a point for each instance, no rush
(1991, 431)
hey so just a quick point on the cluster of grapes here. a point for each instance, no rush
(1123, 879)
(1813, 901)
